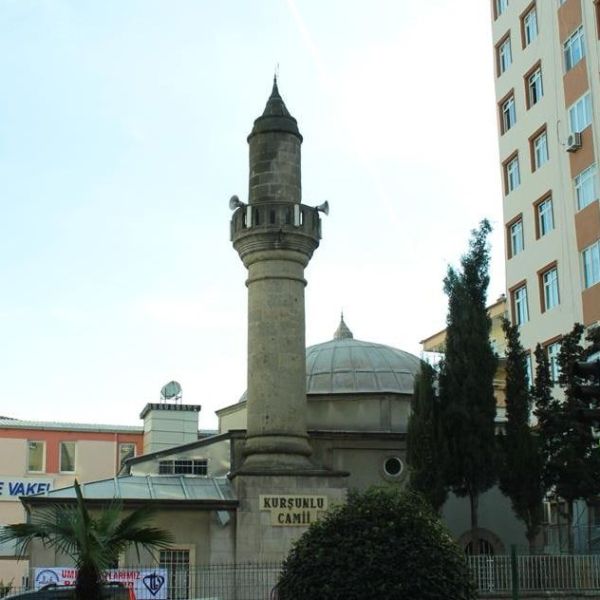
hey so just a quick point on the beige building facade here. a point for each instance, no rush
(497, 312)
(548, 104)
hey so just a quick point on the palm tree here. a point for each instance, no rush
(94, 544)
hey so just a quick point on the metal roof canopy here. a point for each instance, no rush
(169, 491)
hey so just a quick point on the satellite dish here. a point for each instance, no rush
(235, 202)
(324, 208)
(171, 391)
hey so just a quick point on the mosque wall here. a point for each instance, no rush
(496, 517)
(339, 412)
(217, 455)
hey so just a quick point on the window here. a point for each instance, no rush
(574, 48)
(36, 455)
(126, 451)
(586, 187)
(509, 113)
(67, 457)
(520, 305)
(501, 6)
(512, 175)
(516, 238)
(553, 351)
(535, 87)
(540, 150)
(393, 466)
(580, 113)
(183, 467)
(177, 565)
(530, 26)
(591, 265)
(549, 281)
(545, 217)
(504, 55)
(529, 370)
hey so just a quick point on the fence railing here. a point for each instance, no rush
(256, 581)
(536, 573)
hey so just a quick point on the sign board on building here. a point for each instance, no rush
(147, 584)
(13, 487)
(292, 510)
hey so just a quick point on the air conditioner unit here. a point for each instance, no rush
(573, 142)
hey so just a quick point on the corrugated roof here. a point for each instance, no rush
(150, 487)
(7, 423)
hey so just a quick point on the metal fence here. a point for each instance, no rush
(536, 573)
(492, 574)
(184, 581)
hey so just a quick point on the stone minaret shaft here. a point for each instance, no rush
(275, 236)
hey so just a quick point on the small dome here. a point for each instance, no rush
(348, 366)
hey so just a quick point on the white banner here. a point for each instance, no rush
(147, 584)
(13, 487)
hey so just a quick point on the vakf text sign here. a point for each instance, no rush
(13, 487)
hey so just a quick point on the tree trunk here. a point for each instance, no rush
(531, 541)
(588, 512)
(570, 526)
(89, 583)
(474, 501)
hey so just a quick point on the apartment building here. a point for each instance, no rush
(38, 457)
(547, 61)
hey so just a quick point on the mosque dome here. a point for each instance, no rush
(348, 366)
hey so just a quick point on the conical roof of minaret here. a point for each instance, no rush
(342, 332)
(276, 117)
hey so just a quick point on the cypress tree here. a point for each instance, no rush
(572, 465)
(424, 452)
(521, 464)
(467, 403)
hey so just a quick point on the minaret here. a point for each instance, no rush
(275, 236)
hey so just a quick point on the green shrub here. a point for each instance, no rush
(384, 544)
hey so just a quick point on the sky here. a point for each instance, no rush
(123, 128)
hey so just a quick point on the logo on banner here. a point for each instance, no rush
(153, 583)
(46, 576)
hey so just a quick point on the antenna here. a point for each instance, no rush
(171, 391)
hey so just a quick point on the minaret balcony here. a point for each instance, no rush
(276, 225)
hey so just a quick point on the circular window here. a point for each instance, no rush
(392, 466)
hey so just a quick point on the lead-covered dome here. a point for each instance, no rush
(348, 366)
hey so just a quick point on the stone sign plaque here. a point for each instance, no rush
(292, 510)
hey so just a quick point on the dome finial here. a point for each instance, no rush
(342, 332)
